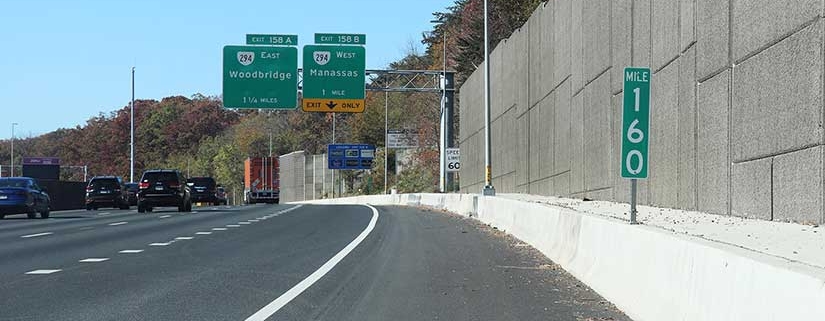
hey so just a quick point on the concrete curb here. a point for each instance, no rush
(649, 273)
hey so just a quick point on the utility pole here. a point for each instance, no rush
(11, 169)
(132, 131)
(488, 190)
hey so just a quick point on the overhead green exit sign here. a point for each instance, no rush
(272, 40)
(340, 39)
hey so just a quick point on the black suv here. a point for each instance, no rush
(203, 190)
(163, 187)
(106, 191)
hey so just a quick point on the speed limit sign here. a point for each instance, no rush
(453, 159)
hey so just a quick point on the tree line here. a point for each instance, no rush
(196, 135)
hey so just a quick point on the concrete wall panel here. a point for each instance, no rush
(577, 144)
(542, 187)
(537, 157)
(665, 32)
(561, 185)
(664, 137)
(777, 97)
(518, 80)
(797, 186)
(620, 42)
(562, 19)
(751, 189)
(497, 71)
(759, 23)
(547, 54)
(642, 10)
(686, 171)
(561, 128)
(536, 46)
(577, 47)
(687, 23)
(712, 27)
(597, 129)
(596, 38)
(713, 144)
(523, 150)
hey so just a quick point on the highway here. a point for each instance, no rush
(280, 262)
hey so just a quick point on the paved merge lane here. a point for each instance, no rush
(227, 263)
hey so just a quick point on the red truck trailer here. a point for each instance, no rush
(261, 183)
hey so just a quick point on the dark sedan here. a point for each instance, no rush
(22, 195)
(132, 190)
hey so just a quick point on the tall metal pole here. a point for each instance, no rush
(386, 138)
(132, 131)
(488, 177)
(11, 169)
(333, 141)
(442, 159)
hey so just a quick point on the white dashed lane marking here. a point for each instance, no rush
(160, 244)
(94, 260)
(35, 272)
(203, 233)
(36, 235)
(219, 229)
(244, 223)
(118, 223)
(165, 216)
(185, 238)
(130, 251)
(233, 225)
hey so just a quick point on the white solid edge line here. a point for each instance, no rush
(296, 290)
(36, 235)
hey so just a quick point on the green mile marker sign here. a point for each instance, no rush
(260, 77)
(635, 122)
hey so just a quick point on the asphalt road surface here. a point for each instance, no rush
(279, 262)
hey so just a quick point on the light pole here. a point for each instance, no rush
(488, 190)
(11, 170)
(442, 158)
(132, 131)
(386, 137)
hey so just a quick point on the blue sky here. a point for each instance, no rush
(64, 61)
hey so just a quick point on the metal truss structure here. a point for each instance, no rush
(428, 81)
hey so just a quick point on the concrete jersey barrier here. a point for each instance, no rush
(649, 273)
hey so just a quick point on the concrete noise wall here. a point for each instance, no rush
(304, 177)
(736, 105)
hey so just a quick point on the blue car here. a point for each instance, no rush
(22, 195)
